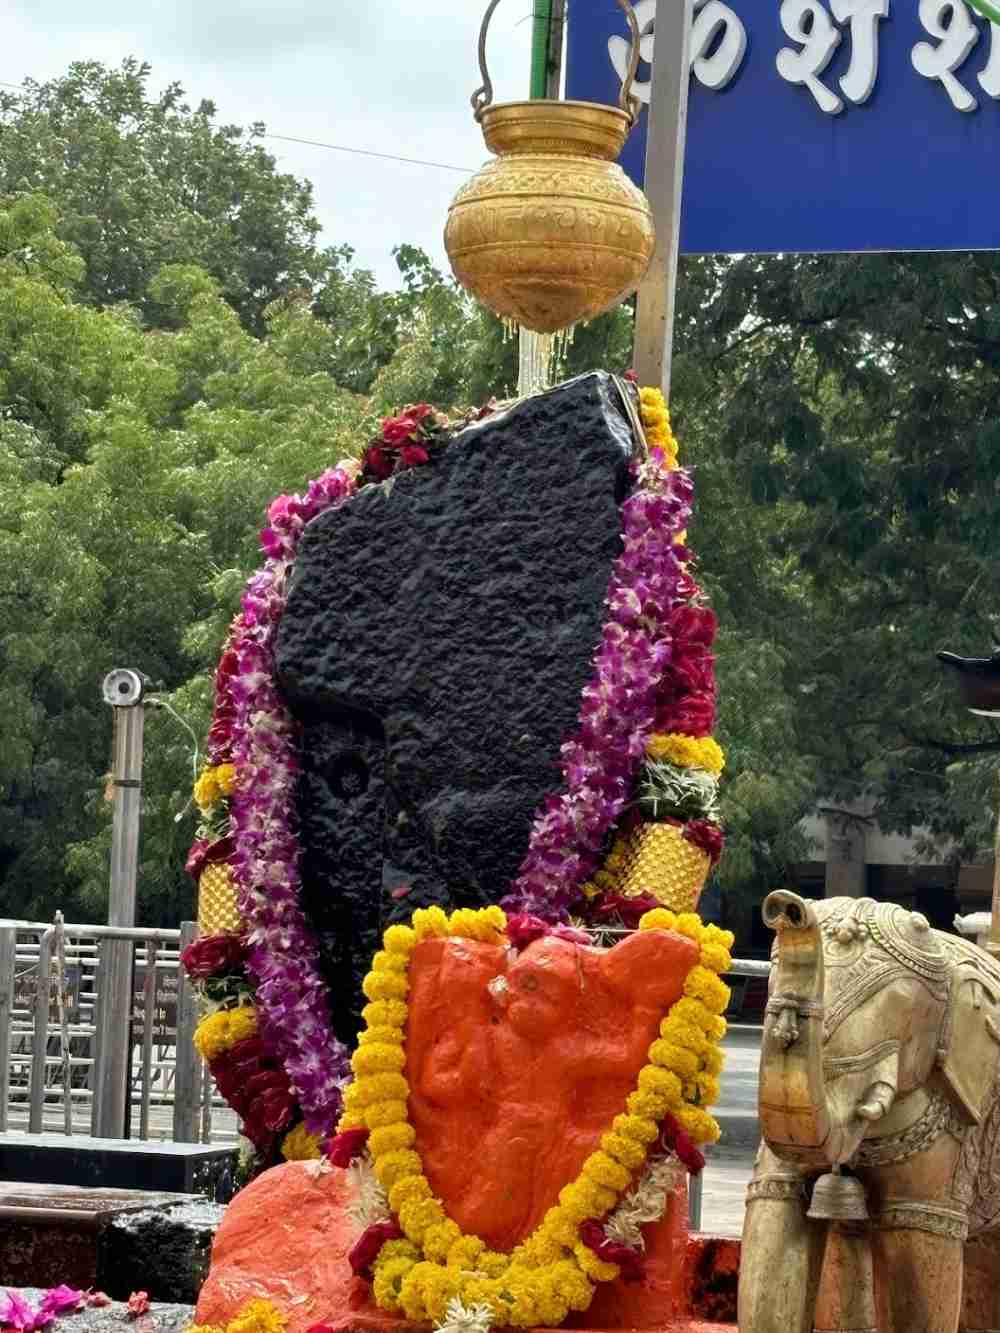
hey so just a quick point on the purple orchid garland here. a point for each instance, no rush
(284, 957)
(600, 763)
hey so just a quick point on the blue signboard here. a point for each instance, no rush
(821, 125)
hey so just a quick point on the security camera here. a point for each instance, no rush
(123, 688)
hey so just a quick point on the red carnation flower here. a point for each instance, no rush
(214, 956)
(419, 412)
(366, 1249)
(630, 1261)
(706, 835)
(676, 1140)
(378, 462)
(344, 1147)
(398, 430)
(414, 454)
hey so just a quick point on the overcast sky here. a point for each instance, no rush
(392, 76)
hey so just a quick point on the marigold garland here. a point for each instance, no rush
(687, 751)
(553, 1271)
(221, 1031)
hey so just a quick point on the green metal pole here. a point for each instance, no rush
(540, 49)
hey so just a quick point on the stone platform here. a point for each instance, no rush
(115, 1240)
(130, 1164)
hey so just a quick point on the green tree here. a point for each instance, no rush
(146, 179)
(133, 478)
(843, 414)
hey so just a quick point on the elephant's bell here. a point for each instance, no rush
(838, 1198)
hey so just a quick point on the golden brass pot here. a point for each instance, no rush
(660, 861)
(552, 231)
(218, 911)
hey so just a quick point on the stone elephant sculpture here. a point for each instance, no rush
(879, 1064)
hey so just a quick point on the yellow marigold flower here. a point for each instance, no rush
(378, 1036)
(594, 1267)
(559, 1227)
(576, 1202)
(713, 1061)
(206, 790)
(389, 1277)
(465, 1252)
(411, 1189)
(708, 1089)
(692, 1013)
(685, 1035)
(496, 917)
(689, 924)
(439, 1239)
(638, 1128)
(379, 1058)
(225, 778)
(390, 962)
(351, 1120)
(393, 1166)
(400, 939)
(205, 1328)
(669, 1056)
(385, 986)
(390, 1138)
(720, 1027)
(604, 1170)
(399, 1249)
(523, 1309)
(698, 1124)
(493, 1264)
(571, 1282)
(299, 1145)
(383, 1087)
(418, 1216)
(429, 922)
(222, 1030)
(258, 1317)
(687, 751)
(715, 958)
(386, 1013)
(701, 984)
(537, 1251)
(648, 1105)
(714, 935)
(652, 398)
(660, 918)
(626, 1151)
(616, 858)
(660, 1081)
(389, 1112)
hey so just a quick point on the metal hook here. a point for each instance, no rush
(630, 104)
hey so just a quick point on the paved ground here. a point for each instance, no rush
(737, 1108)
(730, 1162)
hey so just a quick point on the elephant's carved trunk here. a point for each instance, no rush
(796, 1114)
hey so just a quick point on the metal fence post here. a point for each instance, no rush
(8, 950)
(40, 1032)
(187, 1069)
(696, 1188)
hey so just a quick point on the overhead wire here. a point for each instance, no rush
(343, 148)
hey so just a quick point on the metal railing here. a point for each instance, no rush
(63, 987)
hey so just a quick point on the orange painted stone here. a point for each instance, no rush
(517, 1066)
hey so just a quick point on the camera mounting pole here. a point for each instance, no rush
(124, 691)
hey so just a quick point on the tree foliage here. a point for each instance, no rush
(175, 348)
